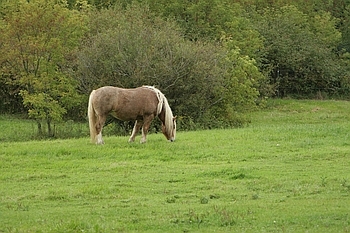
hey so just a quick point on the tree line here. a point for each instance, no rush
(213, 59)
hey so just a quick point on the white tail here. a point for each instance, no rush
(92, 118)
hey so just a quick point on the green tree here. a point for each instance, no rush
(39, 39)
(239, 90)
(212, 20)
(343, 14)
(299, 51)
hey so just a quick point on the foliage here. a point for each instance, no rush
(198, 19)
(300, 51)
(314, 26)
(132, 47)
(39, 38)
(344, 26)
(213, 20)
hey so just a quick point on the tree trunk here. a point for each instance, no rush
(40, 130)
(49, 129)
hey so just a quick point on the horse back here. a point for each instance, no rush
(125, 104)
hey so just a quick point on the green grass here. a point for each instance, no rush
(15, 129)
(286, 172)
(18, 128)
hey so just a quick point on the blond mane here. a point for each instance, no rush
(163, 102)
(160, 97)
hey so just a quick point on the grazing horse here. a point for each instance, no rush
(140, 104)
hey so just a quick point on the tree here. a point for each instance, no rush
(39, 39)
(212, 20)
(299, 51)
(344, 25)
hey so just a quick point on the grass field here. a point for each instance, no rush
(286, 172)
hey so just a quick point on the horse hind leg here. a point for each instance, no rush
(145, 128)
(99, 125)
(144, 134)
(135, 130)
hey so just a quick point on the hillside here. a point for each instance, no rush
(285, 172)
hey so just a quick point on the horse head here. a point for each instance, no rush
(169, 130)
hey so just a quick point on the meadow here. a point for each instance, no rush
(288, 171)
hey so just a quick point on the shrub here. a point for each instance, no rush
(204, 84)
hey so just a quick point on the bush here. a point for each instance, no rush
(204, 84)
(299, 51)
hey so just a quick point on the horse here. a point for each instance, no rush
(141, 104)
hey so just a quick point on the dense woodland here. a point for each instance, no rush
(213, 59)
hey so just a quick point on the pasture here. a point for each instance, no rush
(288, 171)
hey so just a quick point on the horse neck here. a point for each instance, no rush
(161, 115)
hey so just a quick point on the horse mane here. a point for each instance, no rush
(160, 97)
(163, 103)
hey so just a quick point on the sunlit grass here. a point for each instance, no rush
(286, 172)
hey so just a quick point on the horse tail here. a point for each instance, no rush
(92, 118)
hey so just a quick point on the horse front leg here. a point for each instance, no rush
(144, 134)
(135, 130)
